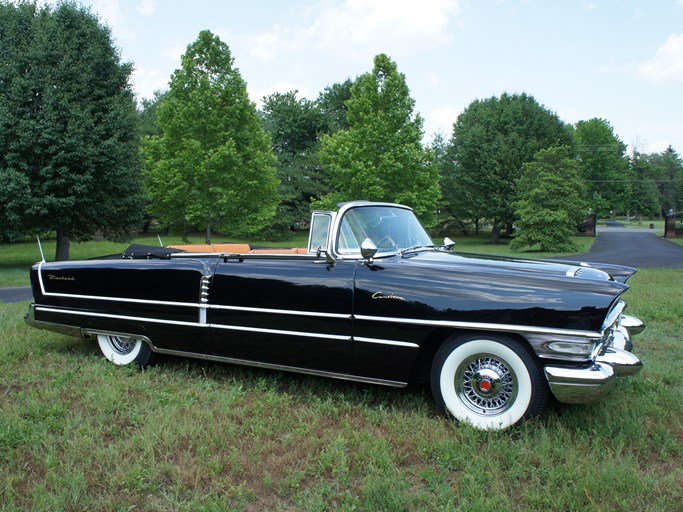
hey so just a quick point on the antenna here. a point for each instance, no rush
(160, 243)
(40, 246)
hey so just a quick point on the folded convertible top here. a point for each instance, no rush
(139, 251)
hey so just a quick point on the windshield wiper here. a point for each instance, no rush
(416, 248)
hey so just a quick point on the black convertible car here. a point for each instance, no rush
(371, 299)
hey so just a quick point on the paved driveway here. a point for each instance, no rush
(16, 294)
(633, 247)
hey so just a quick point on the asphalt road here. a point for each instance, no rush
(632, 247)
(16, 294)
(615, 244)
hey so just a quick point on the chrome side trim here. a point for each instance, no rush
(405, 344)
(125, 299)
(480, 326)
(281, 311)
(294, 369)
(279, 331)
(120, 317)
(30, 319)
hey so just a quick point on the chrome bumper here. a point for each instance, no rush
(582, 384)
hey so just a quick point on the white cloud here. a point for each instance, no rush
(267, 45)
(114, 16)
(147, 81)
(147, 7)
(667, 64)
(433, 80)
(441, 121)
(392, 26)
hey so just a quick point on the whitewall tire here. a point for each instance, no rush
(491, 382)
(123, 350)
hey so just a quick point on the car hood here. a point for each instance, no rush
(556, 268)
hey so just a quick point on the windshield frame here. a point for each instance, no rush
(346, 253)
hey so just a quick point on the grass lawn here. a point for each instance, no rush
(16, 259)
(78, 433)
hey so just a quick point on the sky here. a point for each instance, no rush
(619, 60)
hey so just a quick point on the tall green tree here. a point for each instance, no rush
(604, 165)
(380, 157)
(668, 171)
(68, 137)
(213, 165)
(492, 140)
(550, 205)
(295, 126)
(643, 199)
(332, 104)
(147, 114)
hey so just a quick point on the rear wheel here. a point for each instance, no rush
(123, 350)
(489, 381)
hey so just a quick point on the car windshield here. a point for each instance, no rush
(391, 229)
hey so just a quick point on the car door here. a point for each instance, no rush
(388, 298)
(291, 311)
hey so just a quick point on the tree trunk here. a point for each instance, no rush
(495, 233)
(208, 230)
(509, 230)
(62, 252)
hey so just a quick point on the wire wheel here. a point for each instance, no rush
(489, 381)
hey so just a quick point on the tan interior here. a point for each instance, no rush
(236, 249)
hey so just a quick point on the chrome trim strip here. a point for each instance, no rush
(483, 326)
(406, 344)
(125, 299)
(40, 277)
(294, 369)
(282, 311)
(279, 331)
(120, 317)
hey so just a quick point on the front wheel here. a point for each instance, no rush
(491, 382)
(123, 350)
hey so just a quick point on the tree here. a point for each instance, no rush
(213, 164)
(643, 198)
(295, 126)
(550, 205)
(68, 139)
(604, 166)
(332, 105)
(380, 156)
(147, 114)
(492, 140)
(668, 172)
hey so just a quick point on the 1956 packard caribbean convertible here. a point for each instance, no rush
(371, 299)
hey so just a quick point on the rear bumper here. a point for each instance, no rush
(582, 384)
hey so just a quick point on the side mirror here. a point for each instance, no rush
(448, 244)
(368, 249)
(329, 259)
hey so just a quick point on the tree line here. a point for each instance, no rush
(78, 156)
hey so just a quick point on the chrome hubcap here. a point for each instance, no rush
(486, 384)
(121, 344)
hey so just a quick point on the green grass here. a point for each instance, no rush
(77, 433)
